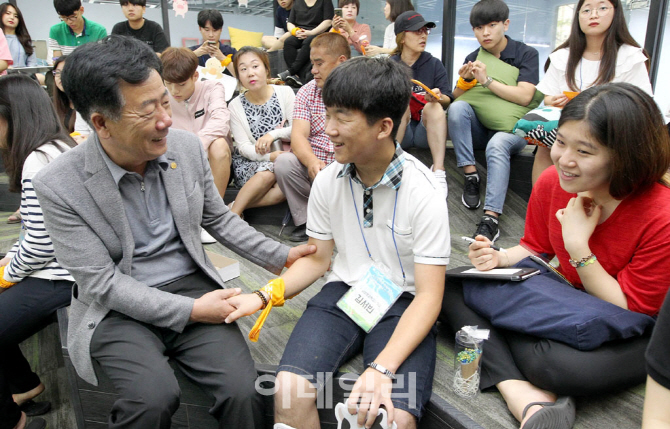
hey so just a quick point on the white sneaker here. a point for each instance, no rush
(441, 177)
(205, 237)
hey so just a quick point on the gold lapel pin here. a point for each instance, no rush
(173, 165)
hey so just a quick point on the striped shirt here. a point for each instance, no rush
(33, 256)
(62, 38)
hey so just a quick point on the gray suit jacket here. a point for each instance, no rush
(86, 219)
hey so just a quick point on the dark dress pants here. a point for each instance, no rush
(25, 309)
(134, 355)
(296, 53)
(547, 364)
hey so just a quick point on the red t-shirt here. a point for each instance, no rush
(632, 245)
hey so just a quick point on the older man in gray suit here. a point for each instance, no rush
(124, 210)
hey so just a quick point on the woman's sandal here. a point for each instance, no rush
(553, 415)
(14, 217)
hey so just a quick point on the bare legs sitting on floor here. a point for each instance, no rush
(259, 191)
(542, 162)
(219, 161)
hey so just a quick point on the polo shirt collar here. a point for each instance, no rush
(83, 31)
(392, 176)
(510, 50)
(118, 172)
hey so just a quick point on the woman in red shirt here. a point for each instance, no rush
(603, 213)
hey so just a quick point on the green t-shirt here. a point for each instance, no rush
(62, 38)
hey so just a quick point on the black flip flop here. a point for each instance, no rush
(37, 424)
(32, 408)
(553, 415)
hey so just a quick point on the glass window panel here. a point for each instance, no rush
(431, 10)
(542, 24)
(372, 13)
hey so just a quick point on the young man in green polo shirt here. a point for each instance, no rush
(73, 30)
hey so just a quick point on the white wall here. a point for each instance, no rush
(40, 16)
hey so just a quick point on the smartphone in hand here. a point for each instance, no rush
(338, 12)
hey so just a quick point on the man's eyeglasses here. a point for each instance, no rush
(71, 18)
(422, 30)
(600, 11)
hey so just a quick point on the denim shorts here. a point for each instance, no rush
(325, 338)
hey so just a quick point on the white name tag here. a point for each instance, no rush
(368, 301)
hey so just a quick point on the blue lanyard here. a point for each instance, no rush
(395, 205)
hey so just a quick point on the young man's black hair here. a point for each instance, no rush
(211, 15)
(487, 11)
(67, 7)
(142, 3)
(384, 93)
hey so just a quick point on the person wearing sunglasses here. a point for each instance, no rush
(73, 30)
(424, 124)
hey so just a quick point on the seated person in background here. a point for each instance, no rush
(199, 107)
(258, 118)
(74, 30)
(392, 10)
(70, 118)
(656, 414)
(17, 35)
(600, 49)
(123, 210)
(363, 116)
(18, 38)
(489, 20)
(276, 42)
(308, 19)
(32, 284)
(210, 23)
(424, 124)
(137, 26)
(311, 148)
(611, 157)
(358, 35)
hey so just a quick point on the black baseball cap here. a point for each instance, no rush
(410, 21)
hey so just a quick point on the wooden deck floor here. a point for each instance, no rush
(488, 410)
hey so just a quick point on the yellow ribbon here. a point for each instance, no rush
(275, 290)
(294, 30)
(6, 285)
(462, 84)
(227, 60)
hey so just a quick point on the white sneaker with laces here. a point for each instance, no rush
(206, 238)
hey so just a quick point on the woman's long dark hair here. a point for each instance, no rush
(627, 121)
(616, 36)
(65, 112)
(31, 122)
(21, 30)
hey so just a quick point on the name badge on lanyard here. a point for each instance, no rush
(370, 299)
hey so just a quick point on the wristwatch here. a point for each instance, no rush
(383, 370)
(488, 81)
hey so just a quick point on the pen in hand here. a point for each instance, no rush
(472, 240)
